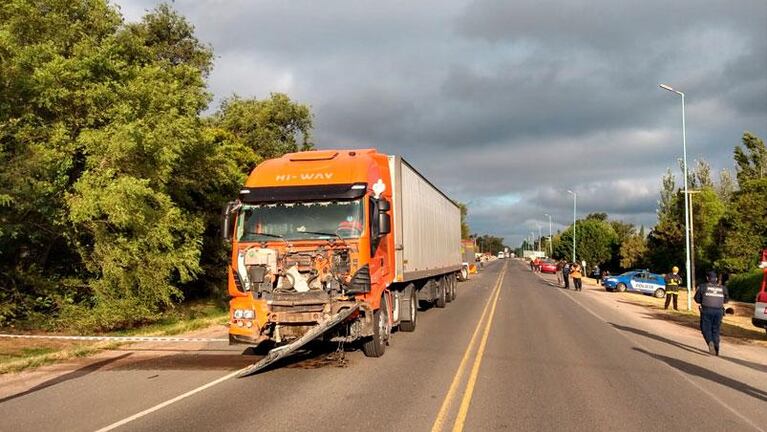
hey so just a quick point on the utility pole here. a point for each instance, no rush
(551, 252)
(688, 264)
(575, 222)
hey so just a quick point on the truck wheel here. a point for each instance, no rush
(620, 287)
(453, 284)
(441, 301)
(409, 325)
(448, 282)
(375, 346)
(464, 276)
(660, 293)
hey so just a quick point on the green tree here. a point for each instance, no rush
(751, 158)
(269, 127)
(491, 244)
(111, 183)
(666, 240)
(744, 227)
(595, 241)
(465, 229)
(633, 252)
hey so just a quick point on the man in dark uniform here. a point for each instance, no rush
(673, 280)
(566, 274)
(711, 296)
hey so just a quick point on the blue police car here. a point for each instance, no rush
(639, 281)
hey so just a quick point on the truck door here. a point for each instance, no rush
(379, 256)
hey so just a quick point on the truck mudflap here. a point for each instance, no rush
(286, 350)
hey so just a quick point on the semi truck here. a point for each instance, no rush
(340, 243)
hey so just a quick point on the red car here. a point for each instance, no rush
(548, 266)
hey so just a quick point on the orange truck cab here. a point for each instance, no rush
(320, 232)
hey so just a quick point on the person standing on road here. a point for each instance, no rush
(560, 269)
(673, 280)
(566, 274)
(595, 273)
(576, 273)
(711, 297)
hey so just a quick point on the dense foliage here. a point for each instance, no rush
(111, 178)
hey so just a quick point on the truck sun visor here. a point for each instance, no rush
(303, 193)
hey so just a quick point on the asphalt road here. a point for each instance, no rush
(527, 356)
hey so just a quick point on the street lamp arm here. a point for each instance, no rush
(669, 88)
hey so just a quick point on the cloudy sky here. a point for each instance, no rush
(506, 104)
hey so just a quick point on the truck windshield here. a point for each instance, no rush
(293, 221)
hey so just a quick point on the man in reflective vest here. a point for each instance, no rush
(711, 296)
(673, 280)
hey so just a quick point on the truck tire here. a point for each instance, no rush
(375, 346)
(464, 275)
(621, 287)
(453, 287)
(409, 325)
(441, 300)
(448, 281)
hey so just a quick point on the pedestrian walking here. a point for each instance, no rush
(560, 269)
(576, 272)
(711, 297)
(595, 273)
(673, 280)
(532, 265)
(566, 274)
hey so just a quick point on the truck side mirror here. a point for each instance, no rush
(383, 205)
(227, 222)
(384, 223)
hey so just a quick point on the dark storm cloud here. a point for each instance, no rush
(507, 105)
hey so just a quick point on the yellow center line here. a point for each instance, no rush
(443, 410)
(466, 401)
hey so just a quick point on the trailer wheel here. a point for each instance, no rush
(409, 325)
(441, 301)
(375, 346)
(448, 282)
(464, 275)
(453, 284)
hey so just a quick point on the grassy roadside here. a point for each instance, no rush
(739, 328)
(21, 354)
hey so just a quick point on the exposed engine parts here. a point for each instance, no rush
(266, 271)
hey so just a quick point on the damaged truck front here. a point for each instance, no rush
(313, 247)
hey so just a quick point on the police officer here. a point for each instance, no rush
(673, 280)
(711, 296)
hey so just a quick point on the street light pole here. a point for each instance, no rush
(575, 206)
(686, 199)
(540, 237)
(692, 239)
(551, 251)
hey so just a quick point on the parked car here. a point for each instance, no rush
(548, 266)
(639, 281)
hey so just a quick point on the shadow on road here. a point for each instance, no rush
(659, 338)
(752, 365)
(315, 355)
(704, 373)
(78, 373)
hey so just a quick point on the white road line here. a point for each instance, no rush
(677, 371)
(168, 402)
